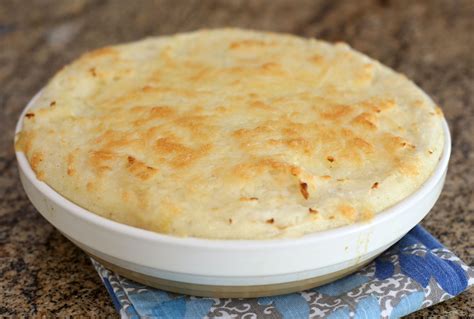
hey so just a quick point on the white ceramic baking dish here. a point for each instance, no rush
(232, 268)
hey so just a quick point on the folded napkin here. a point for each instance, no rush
(415, 273)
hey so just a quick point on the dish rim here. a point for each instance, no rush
(233, 244)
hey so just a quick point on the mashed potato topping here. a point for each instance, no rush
(232, 134)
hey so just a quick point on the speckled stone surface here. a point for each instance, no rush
(432, 42)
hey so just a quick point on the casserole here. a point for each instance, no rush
(232, 268)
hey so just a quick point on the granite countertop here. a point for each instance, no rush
(432, 42)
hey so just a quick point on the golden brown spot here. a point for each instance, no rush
(236, 70)
(53, 103)
(222, 109)
(112, 140)
(304, 190)
(272, 68)
(406, 168)
(378, 105)
(418, 103)
(326, 177)
(274, 142)
(23, 142)
(90, 186)
(200, 75)
(93, 72)
(438, 111)
(36, 160)
(70, 164)
(102, 52)
(104, 168)
(182, 155)
(367, 214)
(316, 59)
(242, 44)
(99, 160)
(313, 211)
(140, 169)
(291, 131)
(386, 104)
(260, 105)
(299, 143)
(230, 221)
(30, 115)
(151, 133)
(167, 90)
(148, 89)
(166, 55)
(197, 125)
(270, 221)
(406, 144)
(295, 171)
(251, 133)
(168, 145)
(392, 143)
(348, 211)
(375, 185)
(337, 112)
(125, 196)
(365, 120)
(168, 212)
(102, 155)
(252, 168)
(161, 111)
(365, 74)
(430, 151)
(198, 109)
(363, 145)
(248, 199)
(129, 96)
(330, 159)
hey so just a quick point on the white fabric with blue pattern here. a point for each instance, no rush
(415, 273)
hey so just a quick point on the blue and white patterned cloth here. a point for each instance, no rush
(415, 273)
